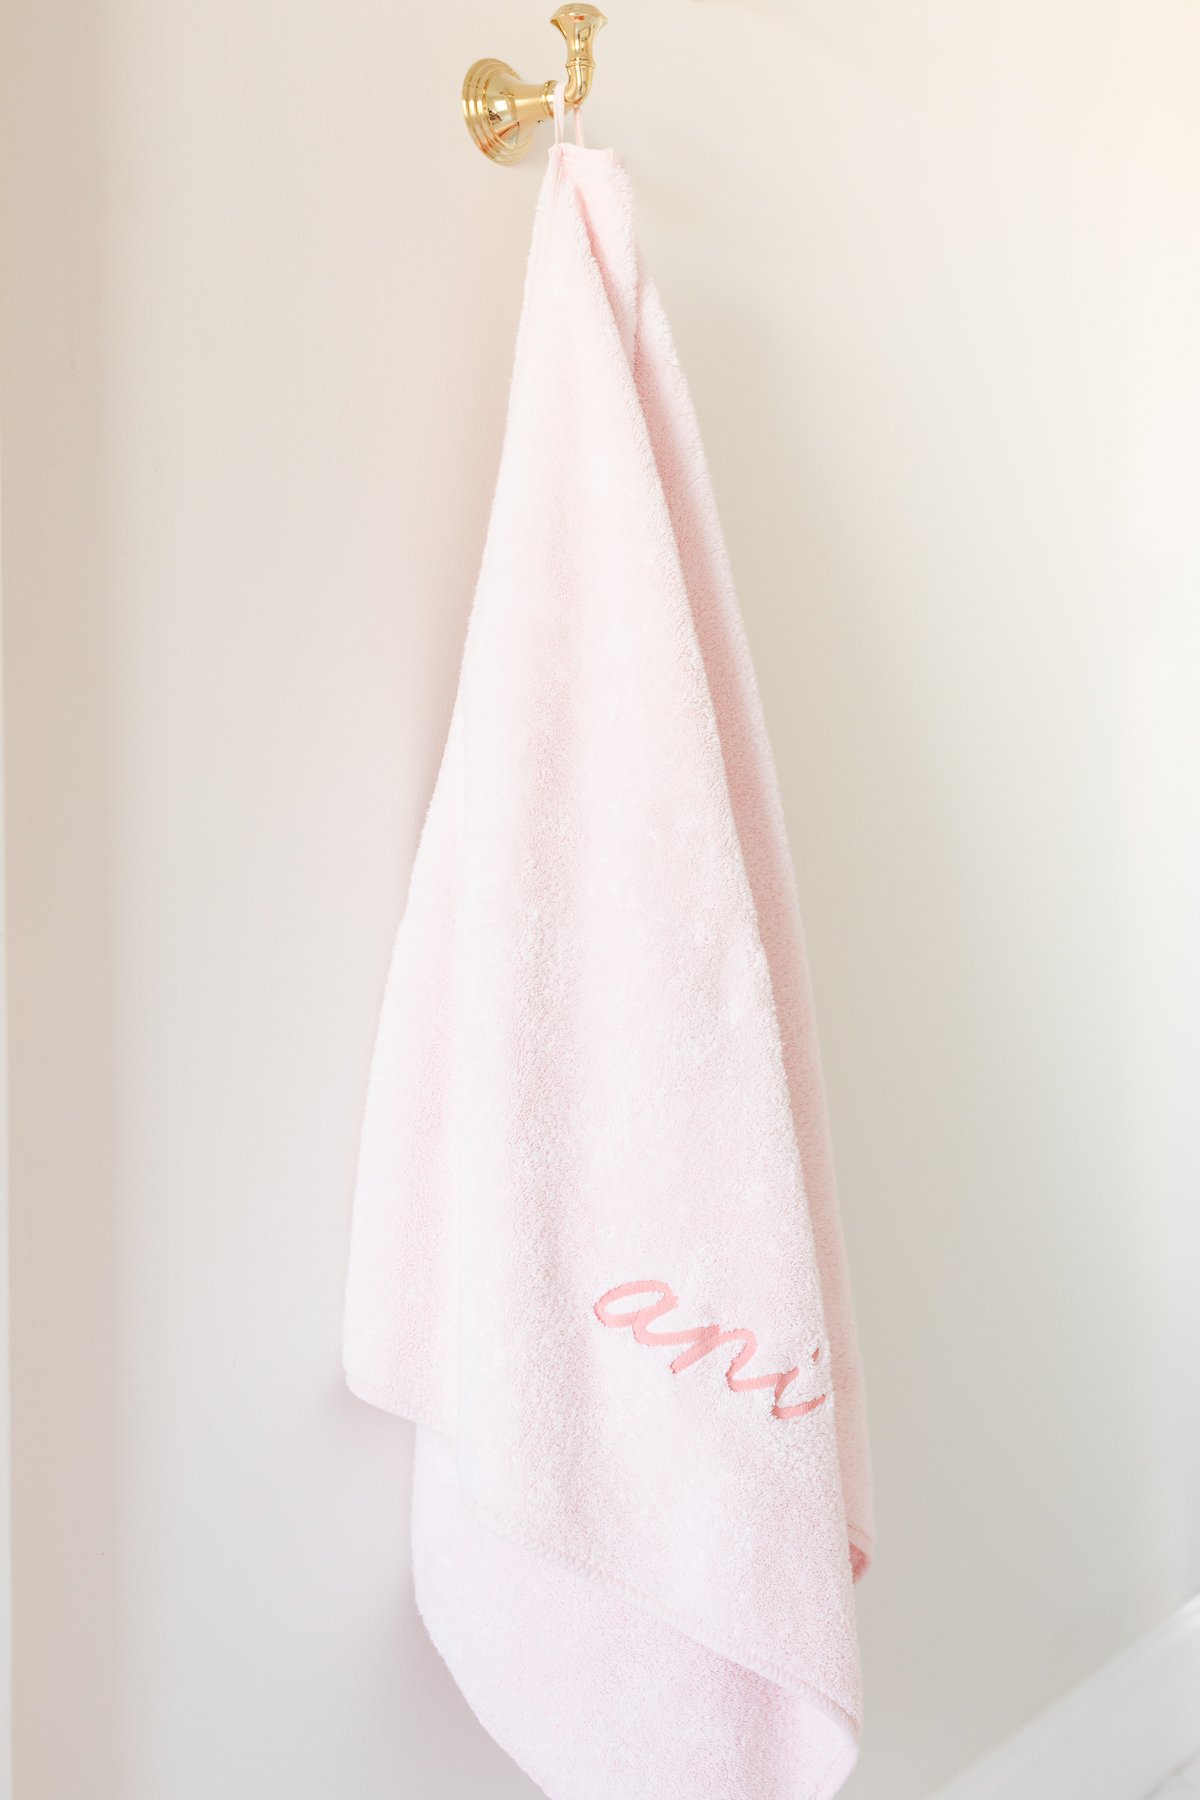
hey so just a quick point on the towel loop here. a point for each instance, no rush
(560, 108)
(503, 112)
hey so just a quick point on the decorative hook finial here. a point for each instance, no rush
(579, 25)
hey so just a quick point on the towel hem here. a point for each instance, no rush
(388, 1402)
(748, 1657)
(829, 1783)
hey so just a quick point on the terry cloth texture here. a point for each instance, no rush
(595, 1253)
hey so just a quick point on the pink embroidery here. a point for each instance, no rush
(702, 1339)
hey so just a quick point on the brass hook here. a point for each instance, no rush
(503, 112)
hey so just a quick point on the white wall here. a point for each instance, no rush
(933, 271)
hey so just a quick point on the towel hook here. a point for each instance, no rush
(503, 112)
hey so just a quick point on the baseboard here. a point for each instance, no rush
(1114, 1737)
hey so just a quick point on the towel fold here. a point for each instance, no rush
(595, 1251)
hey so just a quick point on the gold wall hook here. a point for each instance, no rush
(579, 25)
(503, 112)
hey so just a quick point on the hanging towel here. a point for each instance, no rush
(595, 1251)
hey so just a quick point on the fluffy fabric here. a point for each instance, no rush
(595, 1252)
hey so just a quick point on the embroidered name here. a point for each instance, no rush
(702, 1340)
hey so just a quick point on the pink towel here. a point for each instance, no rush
(595, 1252)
